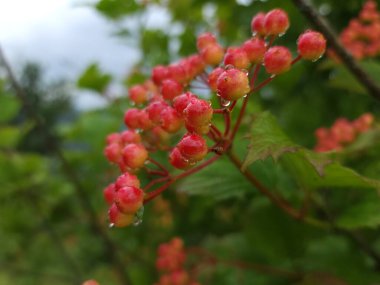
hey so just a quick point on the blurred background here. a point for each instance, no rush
(73, 62)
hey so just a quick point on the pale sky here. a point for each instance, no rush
(64, 37)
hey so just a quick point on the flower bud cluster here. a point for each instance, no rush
(362, 36)
(170, 262)
(125, 199)
(342, 133)
(165, 109)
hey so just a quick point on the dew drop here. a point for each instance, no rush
(139, 131)
(137, 222)
(314, 60)
(218, 94)
(111, 225)
(245, 96)
(225, 103)
(254, 34)
(138, 219)
(281, 35)
(273, 76)
(245, 71)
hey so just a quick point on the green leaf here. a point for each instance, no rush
(155, 46)
(267, 139)
(311, 170)
(219, 181)
(10, 106)
(321, 278)
(312, 173)
(365, 213)
(116, 9)
(9, 136)
(343, 79)
(94, 79)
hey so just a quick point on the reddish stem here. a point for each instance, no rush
(295, 60)
(245, 102)
(216, 131)
(233, 104)
(159, 165)
(262, 84)
(227, 123)
(154, 182)
(155, 172)
(219, 111)
(239, 119)
(254, 76)
(271, 41)
(158, 191)
(269, 79)
(265, 269)
(278, 201)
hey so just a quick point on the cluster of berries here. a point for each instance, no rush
(362, 36)
(125, 199)
(170, 261)
(165, 105)
(342, 133)
(126, 150)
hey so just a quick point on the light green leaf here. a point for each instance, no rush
(267, 139)
(9, 136)
(94, 79)
(116, 9)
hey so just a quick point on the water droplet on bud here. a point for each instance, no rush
(314, 60)
(137, 221)
(218, 94)
(225, 103)
(254, 34)
(111, 225)
(273, 76)
(245, 96)
(281, 35)
(138, 217)
(245, 71)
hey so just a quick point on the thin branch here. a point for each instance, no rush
(158, 191)
(352, 65)
(111, 250)
(276, 200)
(264, 269)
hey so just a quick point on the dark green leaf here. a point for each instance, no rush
(219, 181)
(9, 107)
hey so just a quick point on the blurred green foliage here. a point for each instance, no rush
(45, 232)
